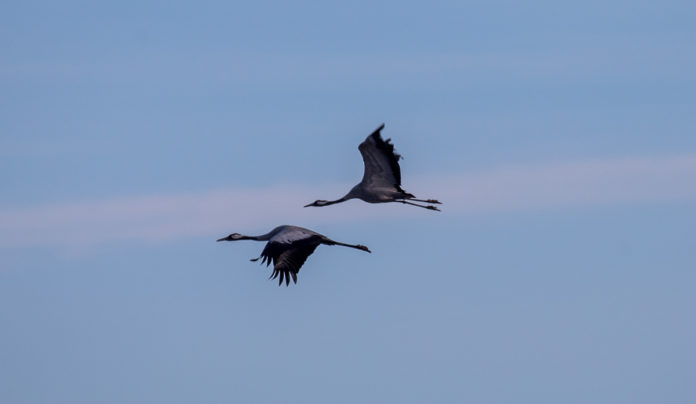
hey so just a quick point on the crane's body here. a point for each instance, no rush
(381, 180)
(288, 248)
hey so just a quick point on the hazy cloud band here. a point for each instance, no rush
(216, 212)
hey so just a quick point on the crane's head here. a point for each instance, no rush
(319, 202)
(232, 237)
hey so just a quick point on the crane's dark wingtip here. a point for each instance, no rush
(376, 131)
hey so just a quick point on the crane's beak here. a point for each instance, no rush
(309, 204)
(224, 238)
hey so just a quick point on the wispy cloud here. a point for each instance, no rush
(216, 212)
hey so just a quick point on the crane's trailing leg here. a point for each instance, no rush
(420, 206)
(328, 241)
(426, 200)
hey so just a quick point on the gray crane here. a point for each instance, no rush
(288, 247)
(381, 180)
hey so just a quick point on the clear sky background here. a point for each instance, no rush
(561, 138)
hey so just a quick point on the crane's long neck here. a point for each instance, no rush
(322, 202)
(352, 194)
(237, 237)
(342, 199)
(263, 237)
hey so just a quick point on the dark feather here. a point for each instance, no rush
(387, 148)
(288, 258)
(381, 162)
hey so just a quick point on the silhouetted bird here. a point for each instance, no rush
(288, 248)
(382, 178)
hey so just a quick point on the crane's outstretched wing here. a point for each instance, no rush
(288, 251)
(381, 162)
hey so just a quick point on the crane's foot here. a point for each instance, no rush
(432, 208)
(433, 201)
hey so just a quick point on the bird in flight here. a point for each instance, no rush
(288, 248)
(381, 180)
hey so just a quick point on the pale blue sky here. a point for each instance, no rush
(560, 137)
